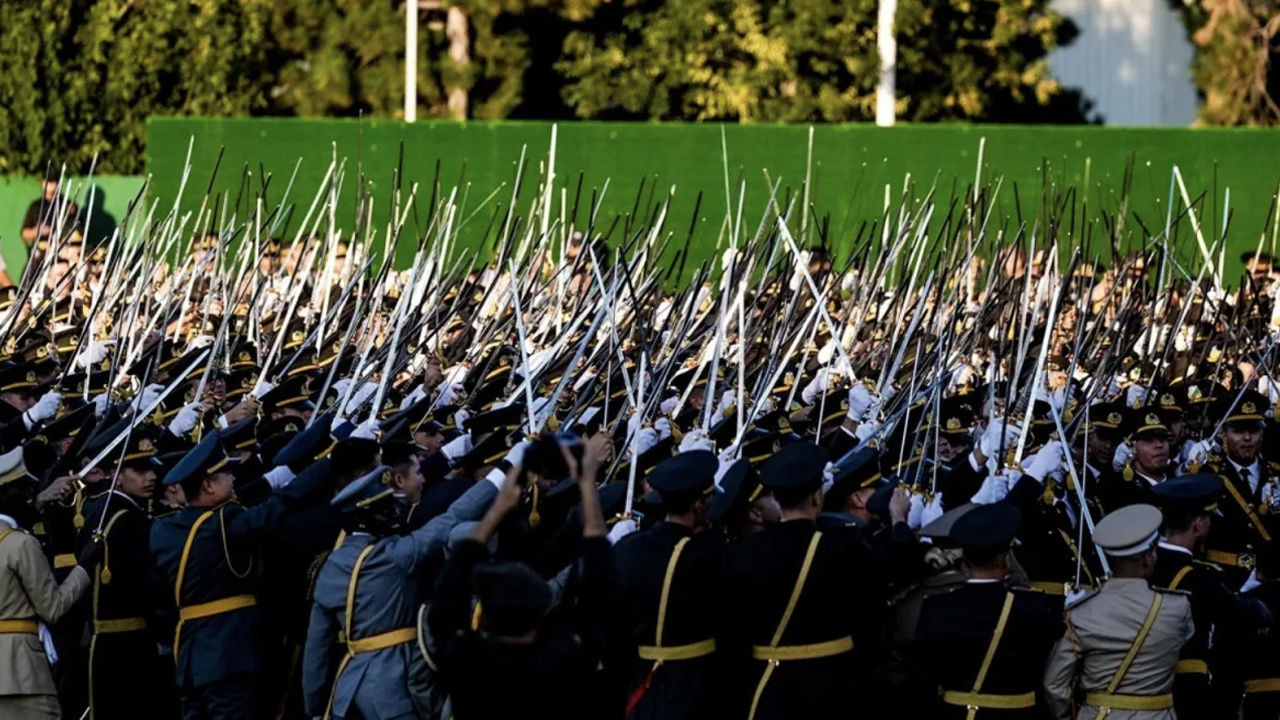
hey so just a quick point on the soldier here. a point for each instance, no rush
(205, 553)
(122, 641)
(984, 644)
(1247, 668)
(1122, 642)
(666, 583)
(29, 596)
(544, 660)
(945, 574)
(1249, 480)
(793, 599)
(366, 596)
(1148, 465)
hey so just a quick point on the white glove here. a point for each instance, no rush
(543, 408)
(932, 511)
(993, 490)
(814, 389)
(515, 456)
(200, 342)
(497, 477)
(645, 439)
(1046, 462)
(668, 406)
(460, 417)
(186, 419)
(45, 408)
(1135, 396)
(727, 400)
(94, 354)
(100, 404)
(147, 396)
(696, 439)
(860, 401)
(340, 387)
(367, 430)
(915, 512)
(1121, 458)
(361, 396)
(866, 429)
(457, 447)
(413, 397)
(263, 388)
(991, 440)
(448, 394)
(279, 477)
(621, 529)
(663, 426)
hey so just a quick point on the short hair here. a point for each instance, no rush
(794, 497)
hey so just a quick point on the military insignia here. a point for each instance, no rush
(789, 379)
(953, 424)
(784, 425)
(1152, 419)
(106, 364)
(31, 377)
(243, 357)
(297, 336)
(1115, 418)
(145, 445)
(1166, 400)
(1248, 408)
(292, 427)
(1193, 393)
(386, 477)
(844, 404)
(42, 352)
(189, 396)
(1135, 373)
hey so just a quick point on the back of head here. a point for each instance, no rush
(513, 598)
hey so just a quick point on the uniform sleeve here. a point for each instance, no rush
(416, 547)
(322, 631)
(1060, 673)
(248, 523)
(50, 600)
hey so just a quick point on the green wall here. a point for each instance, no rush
(851, 165)
(110, 202)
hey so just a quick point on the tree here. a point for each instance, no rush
(80, 78)
(1235, 43)
(814, 60)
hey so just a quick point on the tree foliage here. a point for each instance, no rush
(816, 60)
(1236, 48)
(80, 77)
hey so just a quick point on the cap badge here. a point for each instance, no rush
(953, 424)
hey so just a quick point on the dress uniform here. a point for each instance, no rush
(984, 644)
(366, 601)
(666, 585)
(1122, 642)
(122, 642)
(204, 556)
(1247, 668)
(1212, 604)
(945, 575)
(28, 596)
(1248, 522)
(800, 605)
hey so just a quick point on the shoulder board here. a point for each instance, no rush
(1167, 591)
(1076, 602)
(1206, 565)
(1027, 590)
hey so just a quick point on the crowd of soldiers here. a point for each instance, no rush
(261, 478)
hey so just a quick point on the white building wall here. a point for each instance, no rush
(1132, 58)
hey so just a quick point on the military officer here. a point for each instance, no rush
(797, 603)
(984, 644)
(122, 643)
(666, 584)
(29, 595)
(1249, 481)
(1122, 642)
(1247, 664)
(205, 555)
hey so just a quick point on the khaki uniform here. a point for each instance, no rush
(1102, 632)
(28, 593)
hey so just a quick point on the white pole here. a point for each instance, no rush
(887, 45)
(410, 60)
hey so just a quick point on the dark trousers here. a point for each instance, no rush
(232, 698)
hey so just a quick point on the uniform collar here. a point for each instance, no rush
(1174, 548)
(127, 497)
(12, 523)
